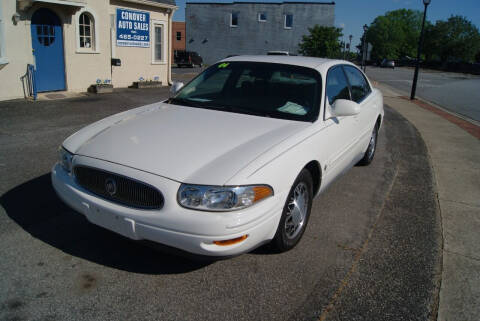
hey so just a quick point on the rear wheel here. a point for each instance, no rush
(372, 147)
(296, 213)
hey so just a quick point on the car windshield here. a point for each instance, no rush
(255, 88)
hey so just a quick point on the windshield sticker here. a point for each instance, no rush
(293, 108)
(223, 65)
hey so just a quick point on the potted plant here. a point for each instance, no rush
(101, 87)
(142, 83)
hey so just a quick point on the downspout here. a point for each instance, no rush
(169, 65)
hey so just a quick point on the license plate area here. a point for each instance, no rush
(111, 221)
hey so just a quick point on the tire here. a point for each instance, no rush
(372, 147)
(295, 217)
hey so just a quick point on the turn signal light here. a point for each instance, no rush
(261, 192)
(231, 241)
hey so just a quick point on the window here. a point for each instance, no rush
(358, 84)
(86, 26)
(179, 35)
(46, 34)
(157, 47)
(288, 23)
(337, 85)
(262, 16)
(234, 19)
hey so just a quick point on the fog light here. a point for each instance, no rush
(231, 241)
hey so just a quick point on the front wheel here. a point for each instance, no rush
(296, 213)
(372, 146)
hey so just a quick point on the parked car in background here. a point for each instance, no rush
(387, 63)
(183, 58)
(231, 161)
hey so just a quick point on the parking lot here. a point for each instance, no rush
(370, 252)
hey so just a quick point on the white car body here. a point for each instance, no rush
(165, 145)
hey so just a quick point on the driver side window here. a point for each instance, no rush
(359, 86)
(337, 85)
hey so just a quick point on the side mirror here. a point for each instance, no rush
(176, 86)
(344, 107)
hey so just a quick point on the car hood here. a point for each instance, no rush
(186, 144)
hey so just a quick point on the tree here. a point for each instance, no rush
(395, 34)
(322, 42)
(456, 39)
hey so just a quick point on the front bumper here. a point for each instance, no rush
(175, 226)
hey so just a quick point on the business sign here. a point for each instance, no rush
(133, 28)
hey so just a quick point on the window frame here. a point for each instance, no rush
(95, 48)
(259, 16)
(153, 38)
(91, 34)
(231, 19)
(177, 33)
(285, 21)
(3, 54)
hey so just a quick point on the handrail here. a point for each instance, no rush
(28, 83)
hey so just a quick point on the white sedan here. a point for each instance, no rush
(231, 161)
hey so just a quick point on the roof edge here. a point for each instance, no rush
(252, 2)
(153, 4)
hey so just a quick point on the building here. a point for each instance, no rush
(76, 43)
(178, 36)
(216, 30)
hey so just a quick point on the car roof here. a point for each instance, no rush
(311, 62)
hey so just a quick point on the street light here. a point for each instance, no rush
(364, 49)
(420, 42)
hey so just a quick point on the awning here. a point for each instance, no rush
(65, 3)
(24, 4)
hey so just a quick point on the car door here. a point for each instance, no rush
(340, 131)
(361, 94)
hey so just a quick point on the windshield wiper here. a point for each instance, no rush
(228, 108)
(193, 103)
(184, 102)
(243, 110)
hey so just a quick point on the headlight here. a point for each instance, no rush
(221, 198)
(65, 159)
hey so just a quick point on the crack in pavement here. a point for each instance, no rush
(345, 280)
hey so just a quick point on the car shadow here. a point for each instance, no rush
(35, 207)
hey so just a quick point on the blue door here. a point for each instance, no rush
(47, 44)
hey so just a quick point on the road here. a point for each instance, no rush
(458, 93)
(370, 251)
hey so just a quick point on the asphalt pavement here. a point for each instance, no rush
(458, 93)
(372, 249)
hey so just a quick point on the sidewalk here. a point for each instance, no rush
(455, 157)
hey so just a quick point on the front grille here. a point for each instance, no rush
(118, 189)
